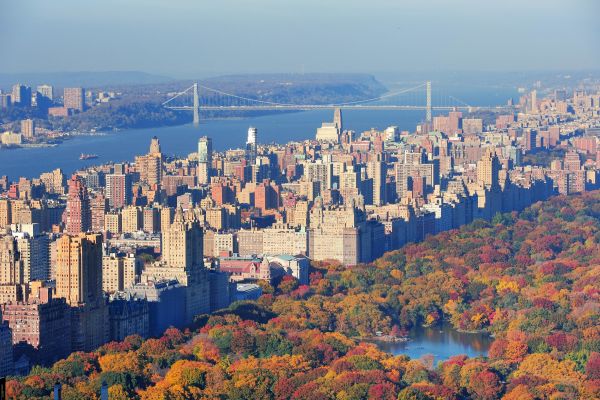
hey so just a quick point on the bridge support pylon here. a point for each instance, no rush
(428, 112)
(196, 105)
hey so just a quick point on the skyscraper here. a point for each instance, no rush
(79, 268)
(11, 266)
(182, 244)
(204, 159)
(33, 248)
(74, 98)
(150, 165)
(337, 119)
(21, 95)
(251, 145)
(118, 190)
(377, 171)
(47, 91)
(28, 128)
(534, 107)
(79, 281)
(78, 217)
(488, 168)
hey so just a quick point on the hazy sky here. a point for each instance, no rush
(185, 38)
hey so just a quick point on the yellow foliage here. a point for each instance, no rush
(397, 274)
(546, 367)
(116, 392)
(520, 392)
(478, 318)
(121, 362)
(507, 286)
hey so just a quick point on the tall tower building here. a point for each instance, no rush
(99, 207)
(33, 247)
(182, 245)
(47, 91)
(118, 190)
(204, 159)
(488, 168)
(155, 146)
(78, 216)
(11, 266)
(377, 171)
(534, 107)
(150, 165)
(79, 282)
(28, 128)
(74, 98)
(337, 119)
(21, 95)
(79, 268)
(251, 145)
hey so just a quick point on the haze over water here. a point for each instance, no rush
(226, 134)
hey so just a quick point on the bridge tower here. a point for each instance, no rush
(428, 112)
(196, 105)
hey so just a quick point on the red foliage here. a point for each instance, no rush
(383, 391)
(592, 368)
(562, 341)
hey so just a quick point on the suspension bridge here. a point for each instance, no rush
(414, 98)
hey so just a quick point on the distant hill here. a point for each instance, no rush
(86, 79)
(318, 88)
(313, 88)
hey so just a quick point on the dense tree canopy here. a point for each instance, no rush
(530, 279)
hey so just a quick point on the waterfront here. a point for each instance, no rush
(226, 133)
(441, 342)
(182, 140)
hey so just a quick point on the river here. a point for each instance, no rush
(441, 342)
(182, 140)
(225, 133)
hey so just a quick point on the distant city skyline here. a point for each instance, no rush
(272, 36)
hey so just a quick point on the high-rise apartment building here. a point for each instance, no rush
(572, 161)
(79, 281)
(337, 119)
(99, 207)
(183, 260)
(251, 145)
(533, 107)
(182, 244)
(530, 139)
(150, 165)
(47, 91)
(21, 95)
(204, 159)
(377, 171)
(151, 219)
(28, 128)
(42, 322)
(78, 217)
(79, 268)
(131, 219)
(33, 247)
(11, 266)
(118, 190)
(74, 98)
(488, 168)
(119, 272)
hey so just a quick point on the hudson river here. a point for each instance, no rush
(225, 133)
(182, 140)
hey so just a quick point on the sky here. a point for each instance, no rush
(195, 38)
